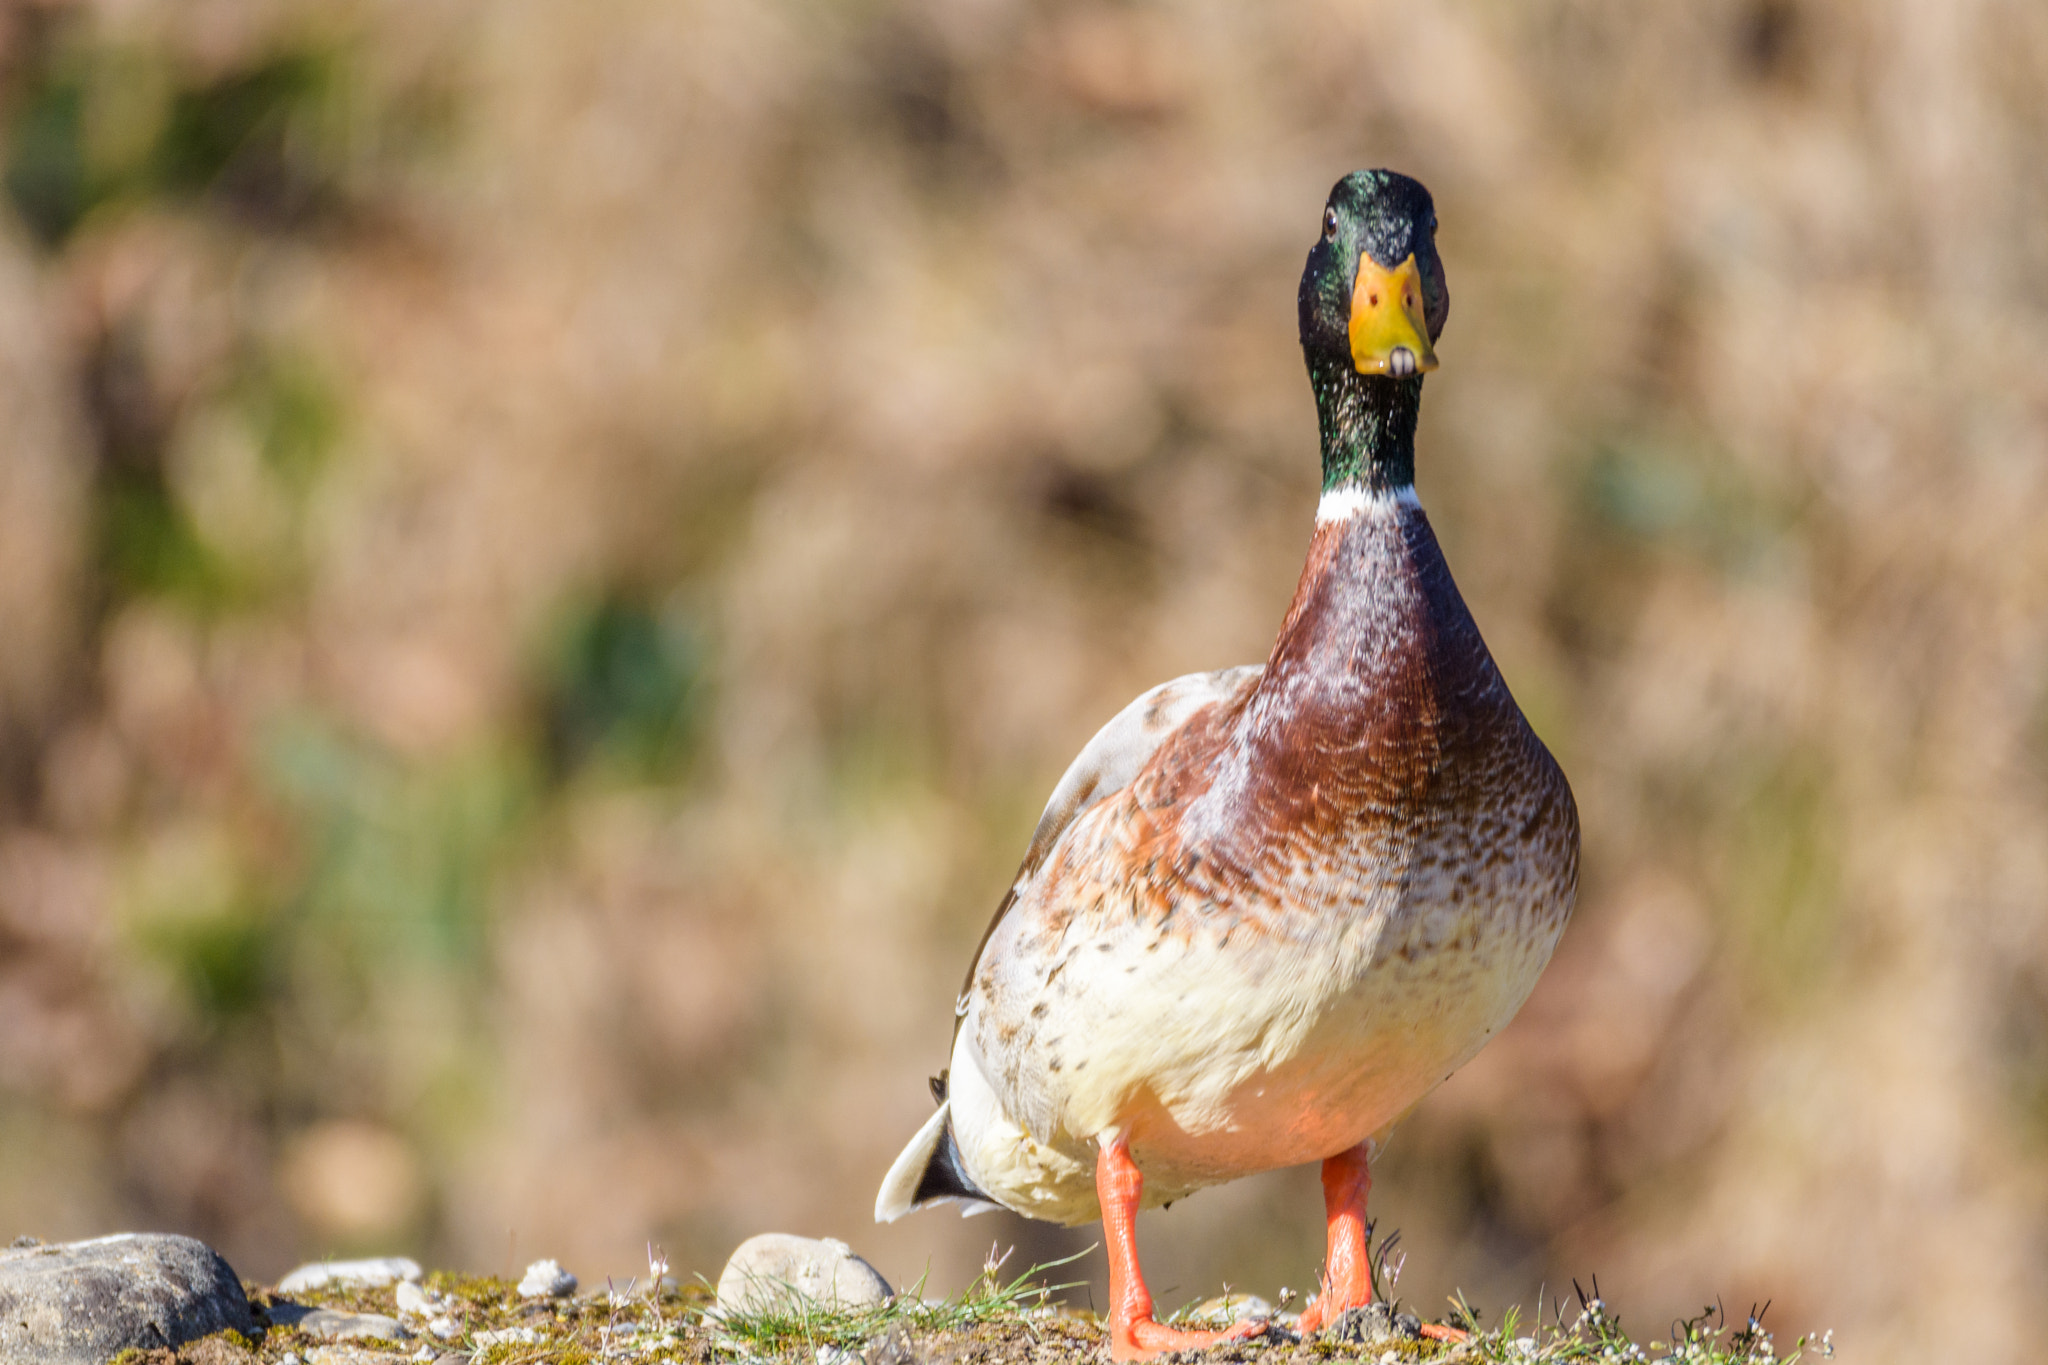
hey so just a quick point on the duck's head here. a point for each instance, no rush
(1373, 302)
(1374, 286)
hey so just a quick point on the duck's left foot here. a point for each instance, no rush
(1436, 1331)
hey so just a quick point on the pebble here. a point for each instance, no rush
(414, 1300)
(1229, 1308)
(427, 1309)
(772, 1267)
(329, 1324)
(80, 1303)
(546, 1280)
(1374, 1325)
(508, 1336)
(371, 1274)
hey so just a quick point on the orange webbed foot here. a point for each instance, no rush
(1144, 1338)
(1134, 1334)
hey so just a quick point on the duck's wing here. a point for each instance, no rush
(1106, 765)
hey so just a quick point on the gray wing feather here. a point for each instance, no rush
(1112, 760)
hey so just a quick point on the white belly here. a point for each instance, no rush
(1217, 1063)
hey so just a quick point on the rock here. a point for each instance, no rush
(1374, 1325)
(414, 1299)
(893, 1347)
(328, 1324)
(1225, 1309)
(769, 1269)
(85, 1302)
(546, 1280)
(370, 1274)
(508, 1336)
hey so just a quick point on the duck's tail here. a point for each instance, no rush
(928, 1172)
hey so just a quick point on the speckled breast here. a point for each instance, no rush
(1308, 909)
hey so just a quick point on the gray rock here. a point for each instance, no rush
(370, 1274)
(775, 1267)
(1375, 1324)
(1225, 1309)
(414, 1301)
(350, 1355)
(79, 1303)
(546, 1280)
(328, 1324)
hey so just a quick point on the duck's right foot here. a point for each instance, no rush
(1144, 1338)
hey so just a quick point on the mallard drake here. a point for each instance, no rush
(1270, 908)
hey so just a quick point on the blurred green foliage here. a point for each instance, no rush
(1782, 879)
(109, 126)
(622, 689)
(397, 858)
(148, 545)
(1662, 493)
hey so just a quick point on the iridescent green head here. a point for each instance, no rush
(1373, 302)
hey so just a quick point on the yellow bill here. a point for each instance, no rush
(1388, 333)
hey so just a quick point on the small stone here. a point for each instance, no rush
(769, 1269)
(893, 1347)
(443, 1328)
(328, 1324)
(509, 1336)
(414, 1300)
(1375, 1324)
(350, 1355)
(1225, 1309)
(374, 1273)
(546, 1280)
(80, 1303)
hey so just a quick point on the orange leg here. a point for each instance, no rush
(1134, 1334)
(1347, 1280)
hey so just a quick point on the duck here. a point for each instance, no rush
(1269, 908)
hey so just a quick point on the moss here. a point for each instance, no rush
(994, 1323)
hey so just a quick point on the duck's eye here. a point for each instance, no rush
(1329, 223)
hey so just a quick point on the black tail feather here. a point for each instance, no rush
(945, 1175)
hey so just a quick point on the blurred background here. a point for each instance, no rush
(551, 553)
